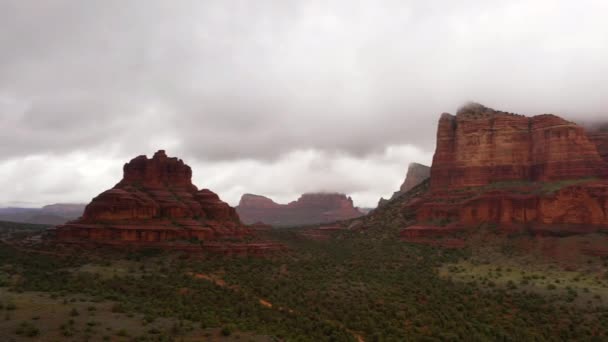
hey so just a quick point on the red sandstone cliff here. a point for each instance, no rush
(308, 209)
(479, 146)
(416, 174)
(540, 173)
(154, 203)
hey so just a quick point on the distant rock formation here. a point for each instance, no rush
(540, 173)
(416, 174)
(65, 209)
(50, 214)
(310, 208)
(156, 204)
(365, 211)
(256, 202)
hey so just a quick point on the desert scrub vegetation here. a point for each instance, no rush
(357, 284)
(27, 329)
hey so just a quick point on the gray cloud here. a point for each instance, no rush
(225, 82)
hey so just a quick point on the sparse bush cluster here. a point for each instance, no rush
(27, 329)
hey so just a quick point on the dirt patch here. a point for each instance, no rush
(265, 303)
(212, 278)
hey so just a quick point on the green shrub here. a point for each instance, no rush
(227, 330)
(122, 333)
(118, 308)
(27, 329)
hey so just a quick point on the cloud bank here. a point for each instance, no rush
(274, 97)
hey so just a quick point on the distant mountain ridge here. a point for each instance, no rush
(49, 214)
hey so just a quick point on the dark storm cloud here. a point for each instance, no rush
(232, 81)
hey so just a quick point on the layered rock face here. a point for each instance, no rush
(416, 174)
(308, 209)
(154, 203)
(542, 174)
(583, 206)
(480, 146)
(599, 136)
(160, 187)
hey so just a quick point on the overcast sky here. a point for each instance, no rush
(278, 97)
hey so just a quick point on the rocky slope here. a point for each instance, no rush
(156, 204)
(416, 174)
(542, 174)
(308, 209)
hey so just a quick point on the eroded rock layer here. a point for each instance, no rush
(479, 146)
(156, 204)
(308, 209)
(540, 174)
(600, 138)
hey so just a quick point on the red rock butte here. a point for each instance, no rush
(479, 146)
(156, 204)
(310, 208)
(541, 173)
